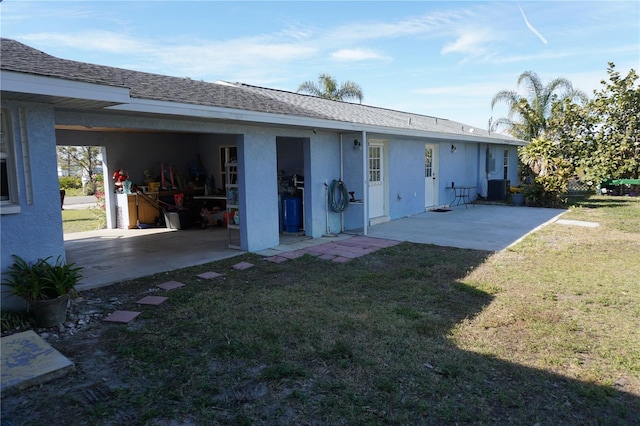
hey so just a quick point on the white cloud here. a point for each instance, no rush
(104, 41)
(356, 55)
(580, 52)
(432, 24)
(470, 42)
(195, 58)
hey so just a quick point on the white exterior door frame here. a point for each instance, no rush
(430, 175)
(377, 182)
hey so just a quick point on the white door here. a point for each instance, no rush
(430, 175)
(376, 180)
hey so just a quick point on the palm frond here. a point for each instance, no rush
(327, 87)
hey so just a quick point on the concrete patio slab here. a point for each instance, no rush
(483, 227)
(28, 360)
(110, 256)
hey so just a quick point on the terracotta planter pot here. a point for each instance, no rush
(50, 313)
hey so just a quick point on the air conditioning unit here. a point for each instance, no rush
(498, 189)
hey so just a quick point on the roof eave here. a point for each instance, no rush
(147, 106)
(51, 88)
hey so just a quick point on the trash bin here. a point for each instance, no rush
(292, 214)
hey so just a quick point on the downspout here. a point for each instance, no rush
(479, 174)
(341, 179)
(365, 183)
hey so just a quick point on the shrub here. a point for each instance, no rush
(546, 171)
(70, 182)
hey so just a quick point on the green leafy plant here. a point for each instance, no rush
(14, 321)
(42, 280)
(546, 171)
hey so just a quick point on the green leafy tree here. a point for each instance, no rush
(327, 87)
(546, 171)
(601, 139)
(79, 160)
(527, 115)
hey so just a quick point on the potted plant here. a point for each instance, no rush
(517, 195)
(46, 287)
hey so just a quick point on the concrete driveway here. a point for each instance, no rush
(479, 226)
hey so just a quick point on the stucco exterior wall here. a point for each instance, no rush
(406, 177)
(36, 231)
(322, 165)
(354, 178)
(258, 191)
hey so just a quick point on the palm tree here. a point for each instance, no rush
(327, 87)
(528, 115)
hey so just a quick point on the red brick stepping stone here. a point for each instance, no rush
(209, 275)
(341, 259)
(122, 316)
(242, 266)
(152, 300)
(293, 254)
(170, 285)
(276, 259)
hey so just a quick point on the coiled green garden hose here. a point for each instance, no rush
(338, 196)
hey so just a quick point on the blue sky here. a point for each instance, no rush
(445, 59)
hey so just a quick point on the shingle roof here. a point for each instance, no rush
(21, 58)
(18, 57)
(365, 114)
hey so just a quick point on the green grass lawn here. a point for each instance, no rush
(547, 333)
(83, 220)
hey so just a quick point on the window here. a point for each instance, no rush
(8, 184)
(505, 173)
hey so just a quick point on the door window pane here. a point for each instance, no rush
(428, 162)
(374, 164)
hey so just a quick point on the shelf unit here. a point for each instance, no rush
(233, 205)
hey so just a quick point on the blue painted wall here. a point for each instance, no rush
(36, 231)
(406, 177)
(354, 179)
(322, 165)
(258, 190)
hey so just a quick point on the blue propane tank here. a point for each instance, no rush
(292, 214)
